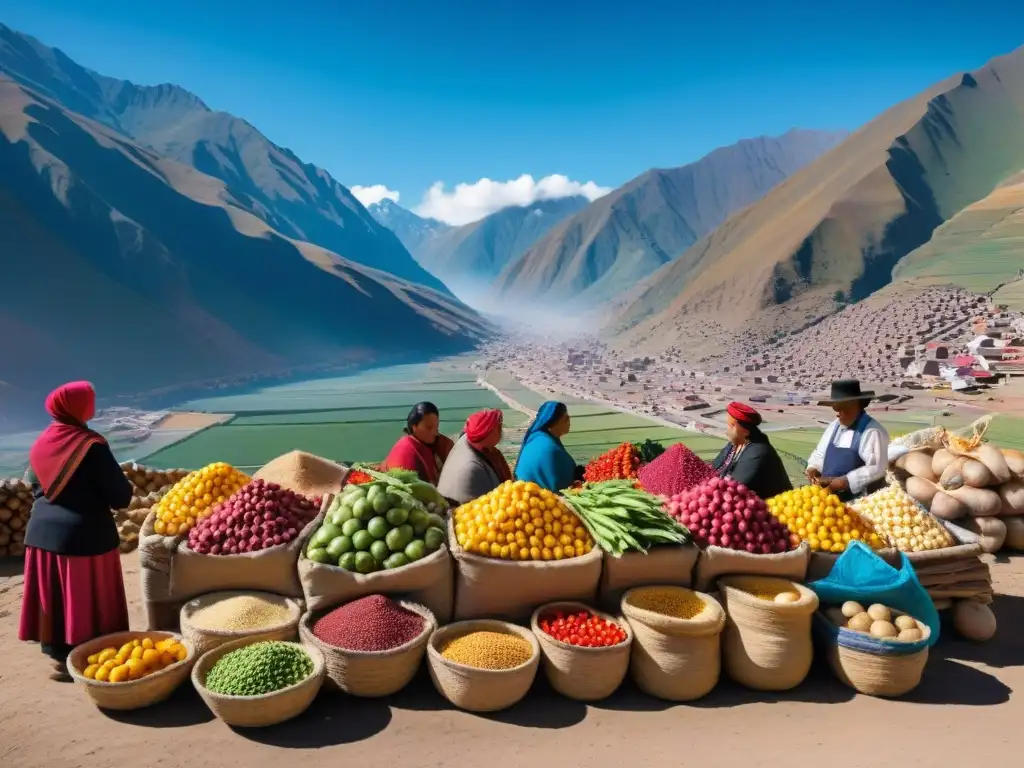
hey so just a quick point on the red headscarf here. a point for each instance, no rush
(58, 451)
(744, 414)
(478, 427)
(481, 424)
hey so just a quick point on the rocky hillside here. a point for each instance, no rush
(137, 272)
(626, 235)
(837, 228)
(412, 230)
(470, 257)
(295, 198)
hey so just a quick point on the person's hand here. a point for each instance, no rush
(812, 475)
(823, 481)
(838, 484)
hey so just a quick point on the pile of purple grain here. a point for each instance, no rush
(371, 623)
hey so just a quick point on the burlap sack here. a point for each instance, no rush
(427, 581)
(510, 589)
(980, 572)
(715, 562)
(820, 563)
(675, 659)
(766, 645)
(171, 573)
(667, 564)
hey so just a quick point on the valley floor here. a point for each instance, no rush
(962, 713)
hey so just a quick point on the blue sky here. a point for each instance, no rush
(405, 94)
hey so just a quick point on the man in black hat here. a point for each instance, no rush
(853, 453)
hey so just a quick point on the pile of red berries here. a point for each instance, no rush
(582, 628)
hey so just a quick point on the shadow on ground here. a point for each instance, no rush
(183, 709)
(331, 720)
(11, 566)
(1004, 650)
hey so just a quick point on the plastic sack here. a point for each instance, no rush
(859, 574)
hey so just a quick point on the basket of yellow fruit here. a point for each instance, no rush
(131, 670)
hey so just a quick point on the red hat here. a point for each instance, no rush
(481, 424)
(744, 414)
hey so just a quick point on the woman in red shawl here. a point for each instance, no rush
(475, 466)
(74, 590)
(422, 449)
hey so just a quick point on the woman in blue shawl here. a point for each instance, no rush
(542, 458)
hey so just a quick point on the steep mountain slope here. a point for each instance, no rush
(470, 257)
(841, 224)
(139, 273)
(627, 235)
(412, 230)
(295, 198)
(980, 248)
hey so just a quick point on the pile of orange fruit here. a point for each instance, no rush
(521, 521)
(134, 660)
(815, 515)
(194, 497)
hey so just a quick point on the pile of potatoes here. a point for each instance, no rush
(981, 488)
(879, 621)
(15, 506)
(149, 485)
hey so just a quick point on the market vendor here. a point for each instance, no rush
(852, 455)
(422, 449)
(749, 457)
(74, 588)
(542, 458)
(475, 466)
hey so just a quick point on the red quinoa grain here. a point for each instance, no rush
(371, 623)
(678, 469)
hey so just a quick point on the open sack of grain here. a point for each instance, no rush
(303, 473)
(148, 487)
(967, 480)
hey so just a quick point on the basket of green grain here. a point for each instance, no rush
(211, 620)
(676, 653)
(255, 683)
(483, 665)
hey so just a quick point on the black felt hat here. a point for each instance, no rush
(847, 391)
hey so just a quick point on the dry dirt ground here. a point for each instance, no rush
(962, 714)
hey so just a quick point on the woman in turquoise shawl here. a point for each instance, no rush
(542, 458)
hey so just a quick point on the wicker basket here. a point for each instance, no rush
(584, 674)
(207, 639)
(480, 690)
(675, 659)
(766, 645)
(258, 711)
(870, 665)
(371, 674)
(131, 694)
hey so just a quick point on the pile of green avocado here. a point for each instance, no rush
(373, 527)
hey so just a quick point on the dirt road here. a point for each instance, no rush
(962, 714)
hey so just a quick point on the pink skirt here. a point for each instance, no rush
(70, 599)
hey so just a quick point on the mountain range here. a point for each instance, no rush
(294, 198)
(838, 227)
(127, 267)
(470, 257)
(626, 235)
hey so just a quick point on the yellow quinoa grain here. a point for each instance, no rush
(241, 613)
(676, 602)
(488, 650)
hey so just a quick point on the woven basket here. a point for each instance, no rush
(873, 666)
(371, 674)
(474, 689)
(258, 711)
(584, 674)
(208, 639)
(767, 646)
(675, 659)
(131, 694)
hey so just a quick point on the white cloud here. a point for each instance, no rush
(374, 194)
(470, 202)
